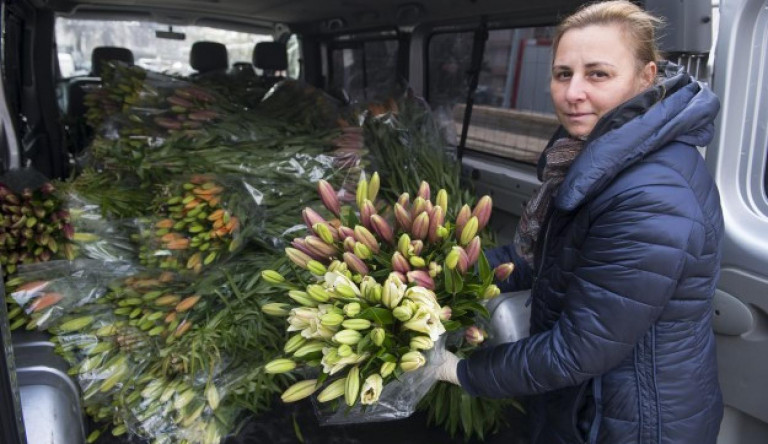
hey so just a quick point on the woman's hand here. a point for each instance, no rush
(447, 363)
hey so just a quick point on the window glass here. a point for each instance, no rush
(365, 70)
(76, 39)
(512, 115)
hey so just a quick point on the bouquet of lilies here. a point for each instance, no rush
(369, 292)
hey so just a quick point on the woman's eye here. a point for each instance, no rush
(562, 75)
(599, 74)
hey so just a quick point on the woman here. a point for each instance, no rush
(621, 248)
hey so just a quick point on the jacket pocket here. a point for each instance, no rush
(583, 413)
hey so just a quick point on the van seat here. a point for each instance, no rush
(271, 58)
(208, 58)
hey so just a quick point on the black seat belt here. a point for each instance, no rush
(478, 47)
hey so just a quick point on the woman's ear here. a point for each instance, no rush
(648, 74)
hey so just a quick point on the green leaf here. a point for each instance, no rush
(486, 273)
(466, 414)
(472, 306)
(458, 281)
(450, 285)
(451, 325)
(381, 316)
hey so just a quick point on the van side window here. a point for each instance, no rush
(512, 115)
(365, 70)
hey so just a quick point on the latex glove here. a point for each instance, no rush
(448, 370)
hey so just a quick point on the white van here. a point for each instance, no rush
(482, 66)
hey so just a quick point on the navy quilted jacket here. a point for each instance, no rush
(621, 347)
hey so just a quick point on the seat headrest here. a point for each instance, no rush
(270, 56)
(101, 54)
(208, 56)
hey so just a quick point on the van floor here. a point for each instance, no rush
(280, 426)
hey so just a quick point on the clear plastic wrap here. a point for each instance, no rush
(50, 290)
(96, 237)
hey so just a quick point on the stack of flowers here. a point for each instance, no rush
(369, 296)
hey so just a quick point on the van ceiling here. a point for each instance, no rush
(316, 13)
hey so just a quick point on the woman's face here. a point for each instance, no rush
(593, 71)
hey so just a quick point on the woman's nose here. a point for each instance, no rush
(575, 91)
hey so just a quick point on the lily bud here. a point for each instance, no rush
(416, 247)
(352, 309)
(345, 291)
(311, 217)
(355, 263)
(356, 324)
(349, 337)
(323, 231)
(402, 313)
(352, 386)
(442, 200)
(382, 228)
(400, 263)
(331, 319)
(421, 278)
(375, 295)
(378, 335)
(503, 271)
(278, 366)
(318, 293)
(403, 217)
(366, 237)
(434, 269)
(436, 220)
(424, 190)
(420, 226)
(392, 292)
(387, 368)
(276, 309)
(419, 206)
(417, 261)
(332, 391)
(328, 196)
(316, 268)
(491, 292)
(421, 343)
(403, 244)
(294, 343)
(474, 335)
(452, 259)
(373, 186)
(461, 219)
(344, 350)
(349, 244)
(272, 277)
(366, 211)
(469, 231)
(345, 232)
(319, 248)
(362, 192)
(482, 211)
(445, 313)
(299, 390)
(297, 257)
(361, 251)
(404, 200)
(301, 245)
(371, 390)
(473, 250)
(463, 264)
(302, 298)
(412, 361)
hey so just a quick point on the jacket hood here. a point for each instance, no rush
(678, 108)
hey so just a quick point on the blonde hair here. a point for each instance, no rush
(639, 25)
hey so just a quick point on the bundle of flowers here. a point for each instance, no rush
(373, 290)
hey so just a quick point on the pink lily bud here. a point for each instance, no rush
(319, 248)
(349, 243)
(503, 271)
(420, 226)
(404, 200)
(69, 231)
(463, 263)
(461, 219)
(445, 313)
(416, 247)
(473, 250)
(311, 217)
(366, 212)
(367, 238)
(482, 211)
(421, 278)
(301, 245)
(328, 196)
(47, 188)
(436, 219)
(345, 232)
(355, 263)
(424, 190)
(382, 228)
(474, 335)
(297, 257)
(400, 263)
(419, 206)
(403, 217)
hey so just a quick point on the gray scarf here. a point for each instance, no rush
(558, 159)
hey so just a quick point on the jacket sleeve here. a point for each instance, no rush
(624, 274)
(522, 276)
